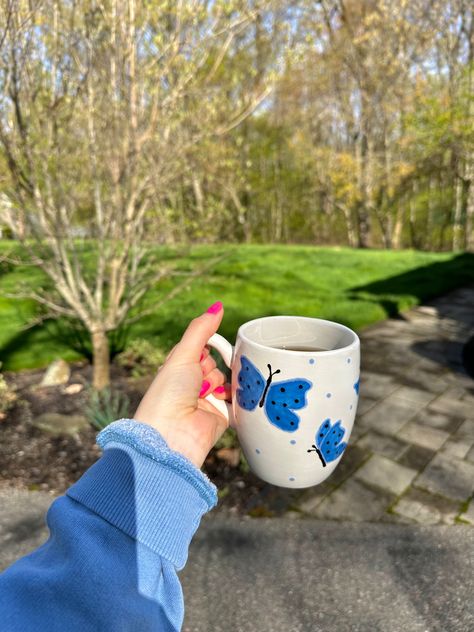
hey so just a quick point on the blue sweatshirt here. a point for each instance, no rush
(116, 540)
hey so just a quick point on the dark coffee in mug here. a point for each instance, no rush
(297, 348)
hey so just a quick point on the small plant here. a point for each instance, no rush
(141, 357)
(7, 396)
(106, 406)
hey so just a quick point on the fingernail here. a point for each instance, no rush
(204, 388)
(219, 389)
(215, 308)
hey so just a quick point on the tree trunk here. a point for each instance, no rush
(198, 195)
(397, 230)
(101, 359)
(457, 225)
(430, 222)
(351, 235)
(469, 234)
(363, 226)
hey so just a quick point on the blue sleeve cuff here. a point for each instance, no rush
(146, 490)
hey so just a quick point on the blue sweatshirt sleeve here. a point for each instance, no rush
(117, 539)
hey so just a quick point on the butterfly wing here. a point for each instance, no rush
(332, 445)
(282, 399)
(251, 385)
(322, 432)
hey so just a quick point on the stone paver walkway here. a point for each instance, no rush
(411, 454)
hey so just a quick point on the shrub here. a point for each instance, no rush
(141, 357)
(106, 406)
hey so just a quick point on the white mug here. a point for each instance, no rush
(295, 387)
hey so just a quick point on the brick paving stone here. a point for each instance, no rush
(417, 512)
(414, 395)
(417, 378)
(376, 386)
(386, 474)
(457, 449)
(468, 515)
(425, 436)
(430, 310)
(438, 420)
(314, 496)
(382, 444)
(357, 431)
(352, 459)
(447, 476)
(469, 398)
(416, 457)
(426, 508)
(389, 415)
(465, 430)
(355, 502)
(452, 407)
(365, 404)
(455, 392)
(470, 455)
(427, 366)
(394, 518)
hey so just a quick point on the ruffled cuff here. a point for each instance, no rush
(152, 493)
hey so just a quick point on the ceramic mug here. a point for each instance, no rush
(295, 387)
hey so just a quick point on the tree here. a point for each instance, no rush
(101, 103)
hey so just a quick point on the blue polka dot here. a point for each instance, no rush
(292, 478)
(257, 451)
(328, 395)
(312, 360)
(349, 360)
(292, 442)
(350, 407)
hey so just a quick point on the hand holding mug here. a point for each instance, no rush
(294, 394)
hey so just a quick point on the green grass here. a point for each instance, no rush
(354, 287)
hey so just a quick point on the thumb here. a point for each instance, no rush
(197, 334)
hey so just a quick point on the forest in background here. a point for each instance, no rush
(329, 122)
(366, 140)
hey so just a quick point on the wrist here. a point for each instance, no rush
(181, 441)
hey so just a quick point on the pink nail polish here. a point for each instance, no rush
(219, 389)
(204, 388)
(215, 308)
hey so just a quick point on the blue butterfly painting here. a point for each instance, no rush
(356, 386)
(280, 398)
(328, 441)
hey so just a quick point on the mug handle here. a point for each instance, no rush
(226, 351)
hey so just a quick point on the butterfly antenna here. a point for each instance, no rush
(267, 385)
(274, 372)
(318, 452)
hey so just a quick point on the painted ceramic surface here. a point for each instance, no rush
(294, 411)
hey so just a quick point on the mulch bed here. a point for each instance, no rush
(32, 459)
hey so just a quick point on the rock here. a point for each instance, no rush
(56, 424)
(73, 389)
(58, 372)
(230, 455)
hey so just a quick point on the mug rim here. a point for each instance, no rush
(350, 347)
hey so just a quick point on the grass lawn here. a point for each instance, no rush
(354, 287)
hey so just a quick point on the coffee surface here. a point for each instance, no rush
(297, 348)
